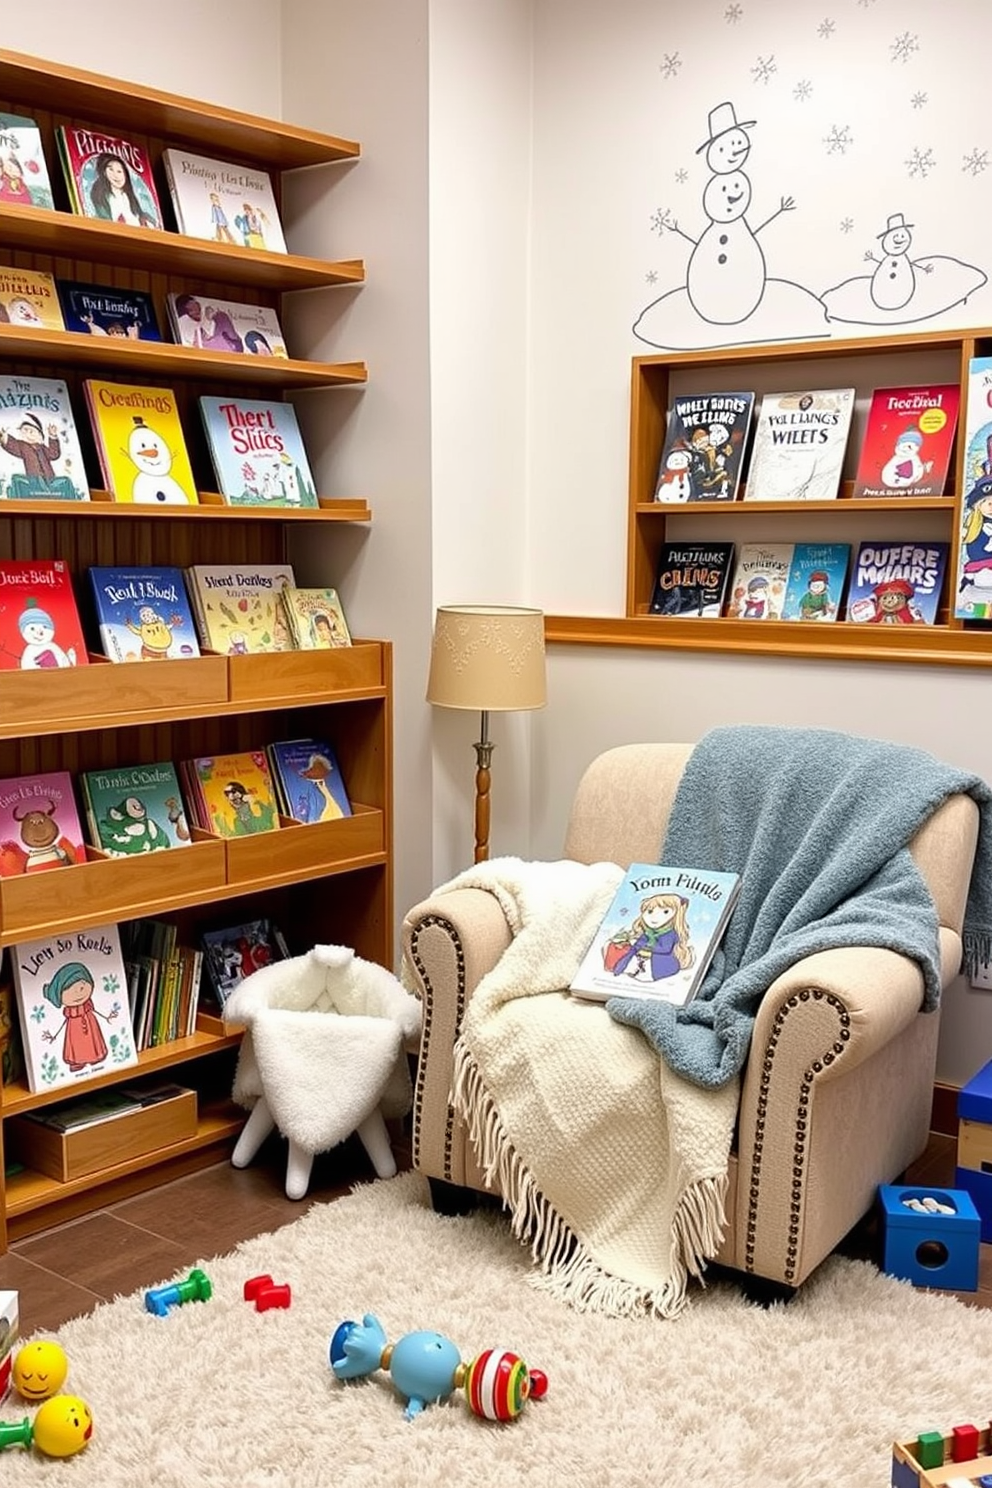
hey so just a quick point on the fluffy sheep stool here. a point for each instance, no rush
(323, 1055)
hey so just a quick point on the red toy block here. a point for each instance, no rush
(964, 1443)
(254, 1285)
(272, 1296)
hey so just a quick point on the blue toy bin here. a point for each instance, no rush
(931, 1249)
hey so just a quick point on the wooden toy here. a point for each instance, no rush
(932, 1236)
(929, 1460)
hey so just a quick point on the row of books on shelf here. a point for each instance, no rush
(82, 1002)
(255, 445)
(888, 583)
(128, 810)
(112, 178)
(160, 613)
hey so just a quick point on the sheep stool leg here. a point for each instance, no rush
(253, 1134)
(298, 1165)
(375, 1139)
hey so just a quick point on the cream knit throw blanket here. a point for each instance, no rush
(614, 1169)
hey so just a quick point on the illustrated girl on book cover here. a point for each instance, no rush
(656, 944)
(71, 991)
(113, 195)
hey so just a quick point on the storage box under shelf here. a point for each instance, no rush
(67, 1155)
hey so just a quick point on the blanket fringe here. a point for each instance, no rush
(567, 1269)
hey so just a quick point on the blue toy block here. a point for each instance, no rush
(928, 1249)
(975, 1098)
(978, 1185)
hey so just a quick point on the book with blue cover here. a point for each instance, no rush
(257, 452)
(897, 583)
(101, 310)
(308, 780)
(143, 614)
(815, 586)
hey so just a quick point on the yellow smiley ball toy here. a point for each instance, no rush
(39, 1369)
(62, 1426)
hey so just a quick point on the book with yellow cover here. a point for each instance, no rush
(28, 297)
(234, 793)
(139, 438)
(238, 606)
(316, 618)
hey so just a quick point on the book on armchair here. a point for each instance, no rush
(658, 937)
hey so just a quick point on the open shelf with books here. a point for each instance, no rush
(930, 520)
(316, 879)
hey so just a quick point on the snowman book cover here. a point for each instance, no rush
(40, 457)
(101, 310)
(72, 1002)
(140, 441)
(908, 440)
(24, 179)
(143, 614)
(757, 590)
(800, 439)
(692, 579)
(238, 607)
(40, 628)
(257, 452)
(897, 583)
(39, 824)
(815, 589)
(28, 297)
(705, 440)
(973, 580)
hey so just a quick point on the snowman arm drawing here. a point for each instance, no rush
(786, 204)
(674, 227)
(922, 263)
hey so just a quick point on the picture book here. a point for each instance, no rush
(896, 583)
(237, 793)
(135, 809)
(908, 439)
(39, 824)
(101, 310)
(140, 442)
(233, 953)
(757, 590)
(308, 780)
(238, 608)
(973, 580)
(28, 297)
(40, 457)
(692, 579)
(11, 1048)
(815, 588)
(257, 452)
(143, 614)
(39, 622)
(223, 201)
(800, 440)
(108, 177)
(704, 447)
(316, 618)
(659, 935)
(72, 1000)
(24, 179)
(225, 325)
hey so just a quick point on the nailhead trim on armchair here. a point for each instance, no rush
(427, 1028)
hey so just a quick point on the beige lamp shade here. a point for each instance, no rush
(488, 657)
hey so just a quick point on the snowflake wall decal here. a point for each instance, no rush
(670, 65)
(803, 90)
(826, 29)
(920, 163)
(651, 276)
(919, 99)
(904, 46)
(847, 225)
(839, 140)
(733, 14)
(662, 221)
(764, 69)
(975, 162)
(681, 175)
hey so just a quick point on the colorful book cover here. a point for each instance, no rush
(896, 583)
(140, 441)
(973, 581)
(238, 608)
(658, 937)
(233, 953)
(225, 325)
(309, 777)
(757, 589)
(800, 440)
(24, 179)
(257, 452)
(39, 622)
(135, 809)
(39, 825)
(11, 1048)
(108, 177)
(28, 297)
(101, 310)
(144, 614)
(40, 457)
(223, 201)
(72, 1000)
(908, 440)
(704, 447)
(237, 792)
(692, 579)
(316, 618)
(816, 581)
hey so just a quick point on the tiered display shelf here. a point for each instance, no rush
(328, 882)
(862, 363)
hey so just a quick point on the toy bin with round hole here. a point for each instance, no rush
(931, 1248)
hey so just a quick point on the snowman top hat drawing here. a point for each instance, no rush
(893, 224)
(722, 120)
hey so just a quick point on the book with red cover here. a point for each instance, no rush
(908, 441)
(108, 177)
(39, 825)
(39, 621)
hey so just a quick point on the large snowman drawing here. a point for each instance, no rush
(901, 289)
(152, 459)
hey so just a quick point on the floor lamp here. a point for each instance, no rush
(489, 658)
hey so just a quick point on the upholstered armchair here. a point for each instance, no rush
(836, 1094)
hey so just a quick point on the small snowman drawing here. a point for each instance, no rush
(905, 467)
(675, 483)
(152, 458)
(893, 283)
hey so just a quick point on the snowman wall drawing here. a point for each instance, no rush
(901, 289)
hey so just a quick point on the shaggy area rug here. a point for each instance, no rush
(220, 1396)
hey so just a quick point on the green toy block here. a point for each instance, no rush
(930, 1449)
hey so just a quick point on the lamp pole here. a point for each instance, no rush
(483, 758)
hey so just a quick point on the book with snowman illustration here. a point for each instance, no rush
(40, 629)
(908, 439)
(704, 447)
(896, 583)
(40, 457)
(140, 442)
(757, 590)
(973, 579)
(800, 440)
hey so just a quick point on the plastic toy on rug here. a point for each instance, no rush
(196, 1288)
(62, 1427)
(427, 1367)
(39, 1369)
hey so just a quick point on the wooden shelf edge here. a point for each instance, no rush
(211, 508)
(842, 503)
(825, 347)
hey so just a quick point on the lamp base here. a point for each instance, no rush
(483, 757)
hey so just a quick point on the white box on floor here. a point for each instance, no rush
(9, 1334)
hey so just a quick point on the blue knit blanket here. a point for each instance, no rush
(817, 823)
